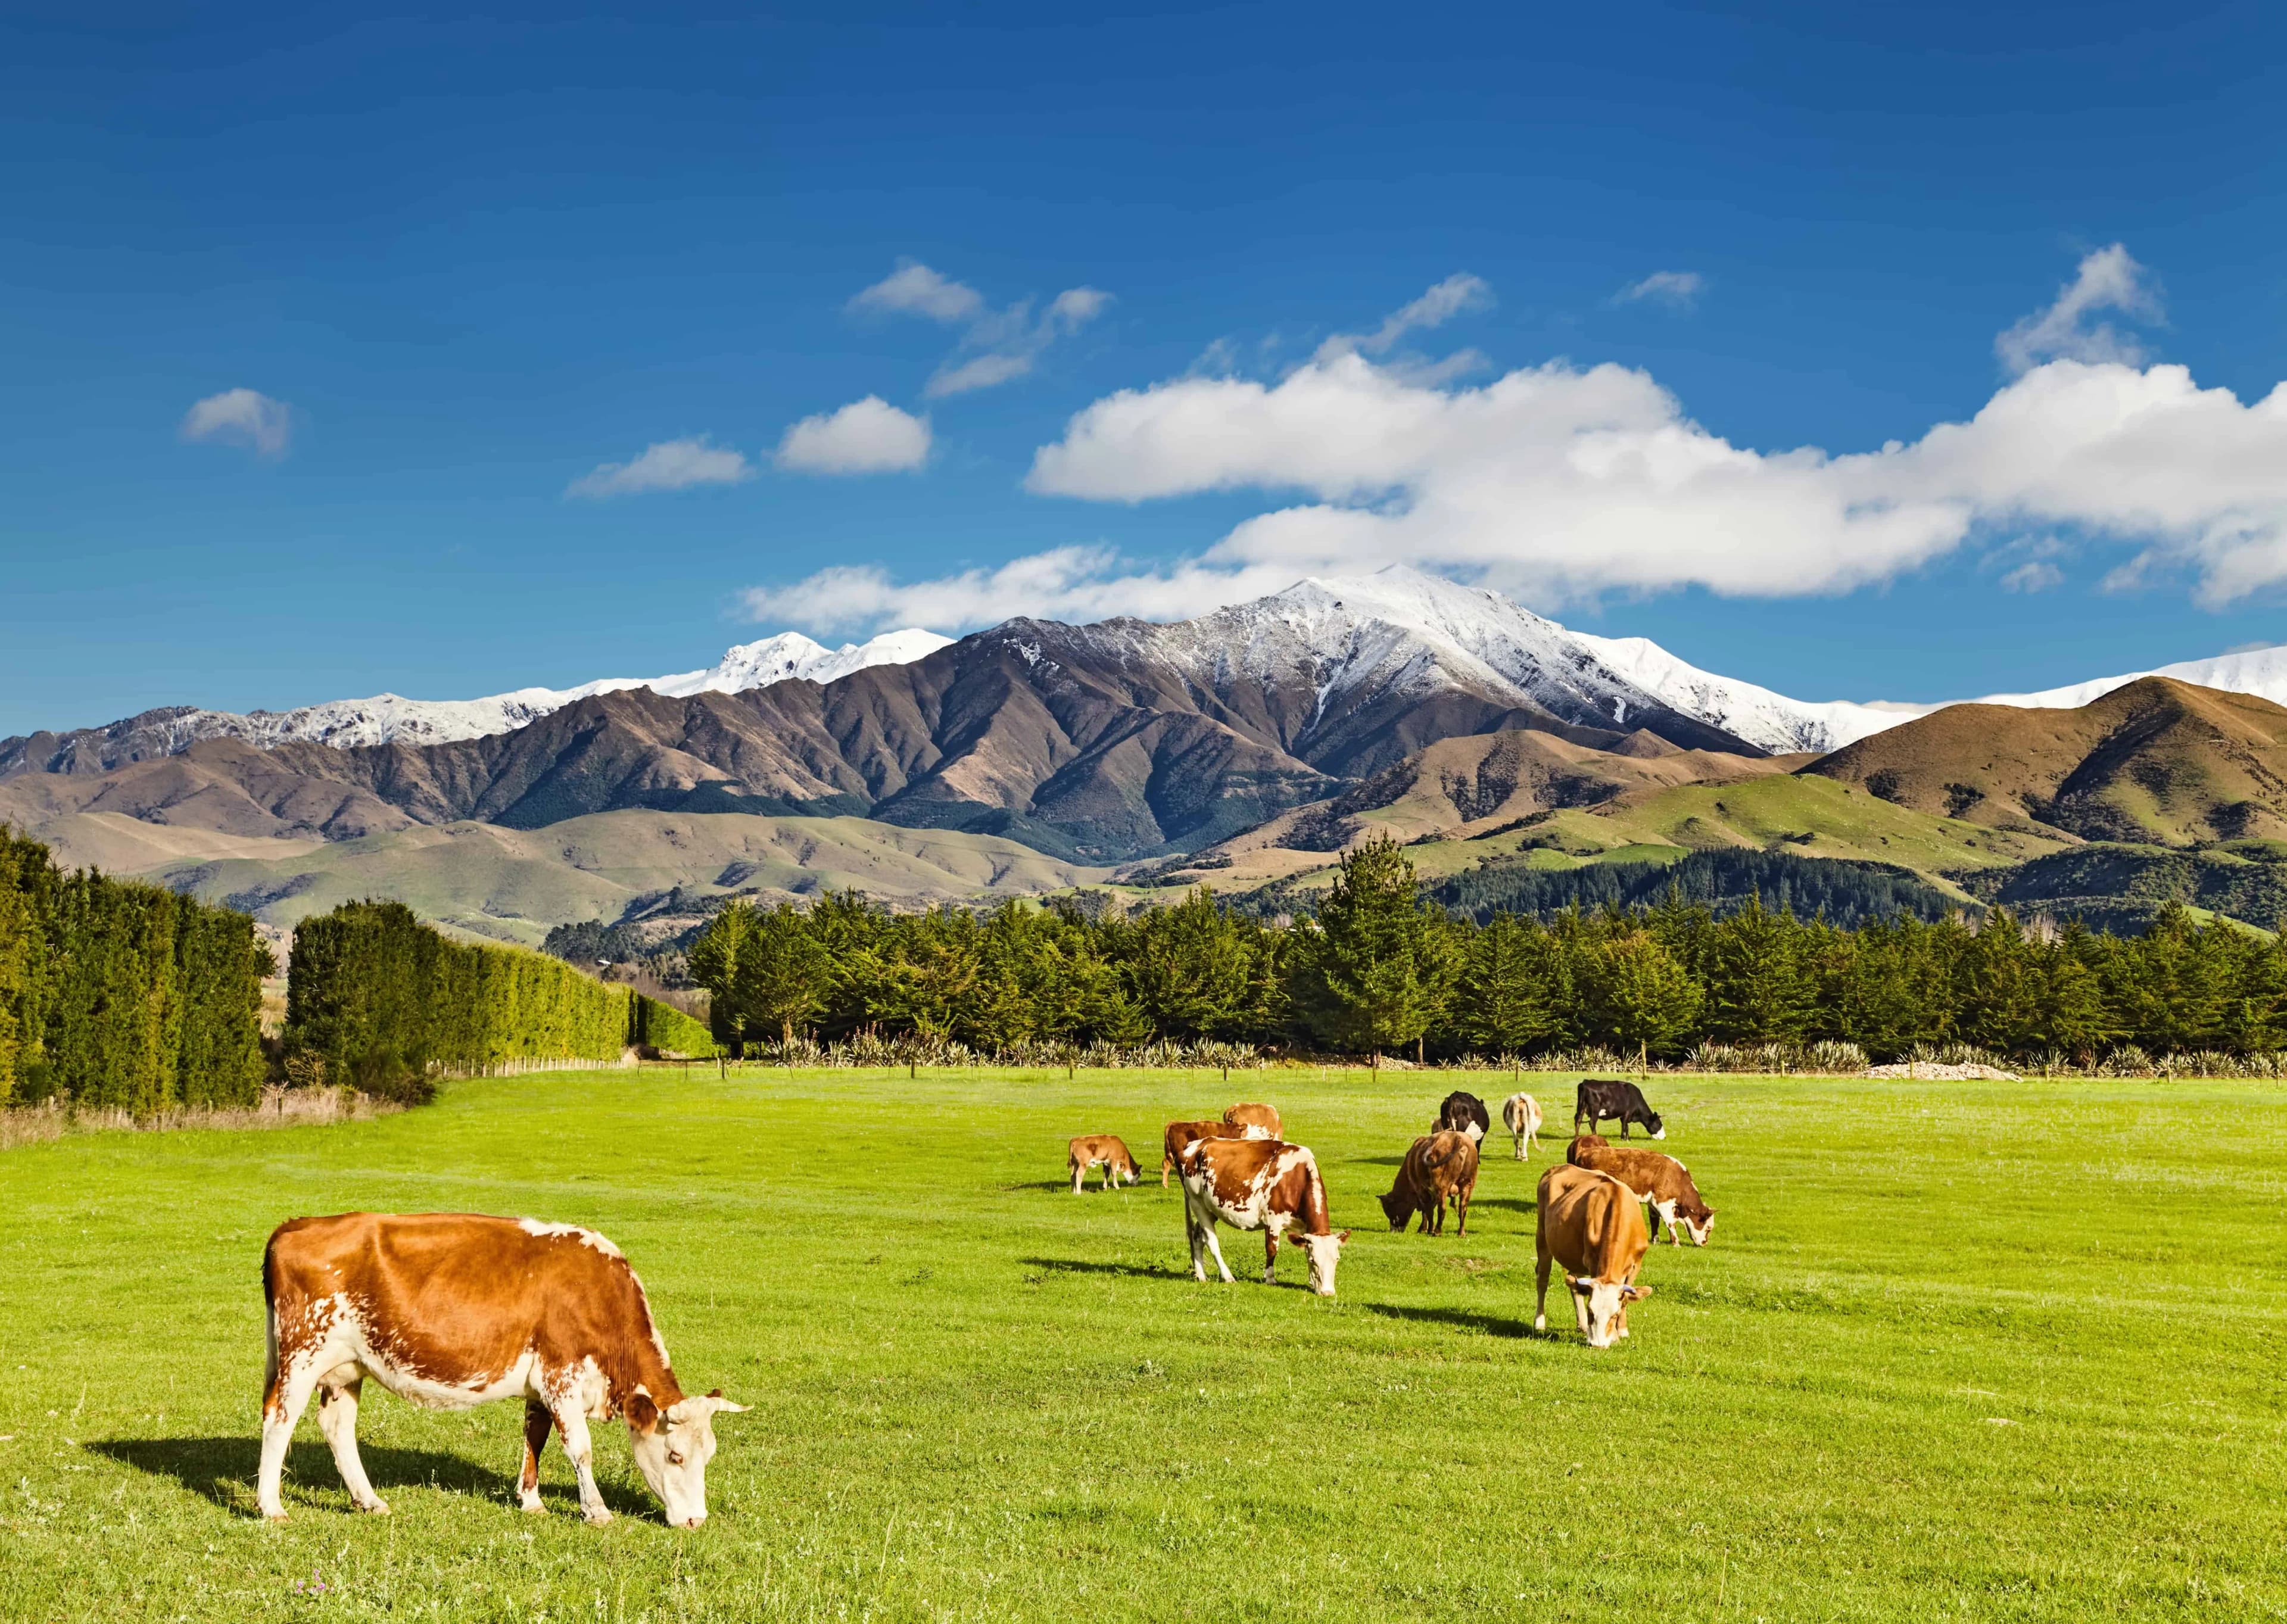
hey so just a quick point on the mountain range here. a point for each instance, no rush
(1254, 743)
(1477, 633)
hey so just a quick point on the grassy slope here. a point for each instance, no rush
(1762, 813)
(1956, 1352)
(517, 882)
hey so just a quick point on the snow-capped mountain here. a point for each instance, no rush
(1338, 658)
(1756, 715)
(385, 718)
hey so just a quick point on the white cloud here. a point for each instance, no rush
(867, 436)
(996, 346)
(2037, 576)
(1676, 289)
(1558, 483)
(241, 417)
(2108, 280)
(670, 465)
(914, 289)
(1460, 294)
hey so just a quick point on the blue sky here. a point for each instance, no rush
(466, 265)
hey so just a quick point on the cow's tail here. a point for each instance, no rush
(270, 1293)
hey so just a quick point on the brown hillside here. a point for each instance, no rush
(2158, 761)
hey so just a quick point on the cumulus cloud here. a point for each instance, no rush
(2108, 280)
(1676, 289)
(241, 417)
(670, 465)
(1557, 483)
(996, 346)
(867, 436)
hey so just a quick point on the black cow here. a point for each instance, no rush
(1464, 1113)
(1616, 1098)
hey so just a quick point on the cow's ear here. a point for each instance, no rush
(1344, 1238)
(642, 1413)
(1638, 1291)
(1580, 1283)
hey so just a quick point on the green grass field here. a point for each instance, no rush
(1956, 1352)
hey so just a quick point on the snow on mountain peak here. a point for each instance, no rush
(385, 718)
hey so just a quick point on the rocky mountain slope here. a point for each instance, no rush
(387, 718)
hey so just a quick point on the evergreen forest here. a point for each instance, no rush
(1378, 969)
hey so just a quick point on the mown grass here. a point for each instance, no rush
(1958, 1351)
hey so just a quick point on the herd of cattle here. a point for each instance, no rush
(1238, 1171)
(451, 1311)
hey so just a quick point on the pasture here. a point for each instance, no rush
(1957, 1351)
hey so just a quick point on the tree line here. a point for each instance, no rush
(119, 995)
(377, 999)
(1378, 970)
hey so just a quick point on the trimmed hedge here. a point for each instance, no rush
(386, 1001)
(122, 996)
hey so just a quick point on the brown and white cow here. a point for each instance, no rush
(1522, 1113)
(1181, 1137)
(1258, 1184)
(1255, 1121)
(1591, 1225)
(1438, 1167)
(1104, 1150)
(452, 1310)
(1661, 1183)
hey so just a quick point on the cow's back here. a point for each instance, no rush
(1444, 1161)
(457, 1292)
(1648, 1173)
(1590, 1223)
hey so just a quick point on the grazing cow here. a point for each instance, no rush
(1616, 1098)
(1181, 1137)
(450, 1310)
(1255, 1121)
(1660, 1182)
(1258, 1184)
(1104, 1150)
(1438, 1167)
(1522, 1113)
(1591, 1225)
(1463, 1113)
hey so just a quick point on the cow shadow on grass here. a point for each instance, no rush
(1504, 1203)
(1462, 1318)
(223, 1469)
(1073, 1265)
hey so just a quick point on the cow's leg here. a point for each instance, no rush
(281, 1412)
(1164, 1163)
(338, 1413)
(1462, 1203)
(1198, 1246)
(536, 1424)
(573, 1423)
(1541, 1304)
(1269, 1254)
(1215, 1247)
(1080, 1175)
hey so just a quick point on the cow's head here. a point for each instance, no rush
(1325, 1255)
(672, 1447)
(1698, 1222)
(1397, 1207)
(1654, 1126)
(1604, 1305)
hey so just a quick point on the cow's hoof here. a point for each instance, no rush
(597, 1518)
(274, 1516)
(375, 1507)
